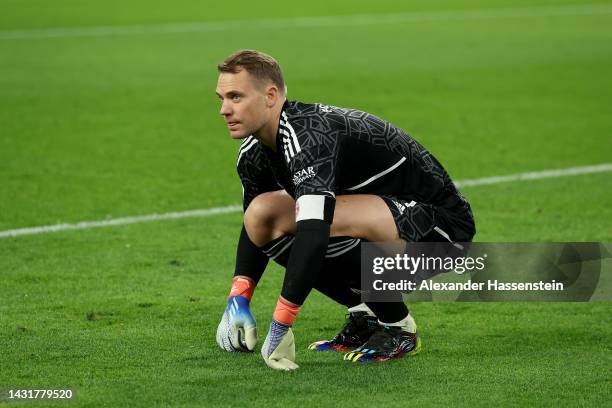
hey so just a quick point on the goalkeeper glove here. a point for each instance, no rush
(278, 350)
(238, 329)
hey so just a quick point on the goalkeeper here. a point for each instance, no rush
(318, 179)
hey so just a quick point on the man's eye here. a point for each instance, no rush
(236, 98)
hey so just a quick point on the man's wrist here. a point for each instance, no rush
(285, 312)
(278, 326)
(242, 286)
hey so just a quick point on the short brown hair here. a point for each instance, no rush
(261, 66)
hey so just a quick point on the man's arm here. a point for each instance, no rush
(256, 178)
(314, 216)
(314, 169)
(314, 176)
(237, 330)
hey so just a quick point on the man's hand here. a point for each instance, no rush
(238, 329)
(278, 350)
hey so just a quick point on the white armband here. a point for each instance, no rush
(315, 207)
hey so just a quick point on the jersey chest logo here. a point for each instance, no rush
(303, 174)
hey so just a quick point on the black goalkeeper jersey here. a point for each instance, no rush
(324, 149)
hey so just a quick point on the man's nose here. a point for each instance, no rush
(225, 109)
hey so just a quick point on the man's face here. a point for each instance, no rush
(243, 104)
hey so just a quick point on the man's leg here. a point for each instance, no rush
(271, 217)
(415, 222)
(375, 218)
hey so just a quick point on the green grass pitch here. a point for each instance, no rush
(96, 127)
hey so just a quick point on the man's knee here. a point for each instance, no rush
(268, 216)
(259, 212)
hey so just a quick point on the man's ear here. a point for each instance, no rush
(272, 96)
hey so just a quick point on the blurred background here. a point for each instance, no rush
(108, 109)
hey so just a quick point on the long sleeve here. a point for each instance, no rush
(314, 218)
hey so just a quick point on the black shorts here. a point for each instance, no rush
(337, 247)
(416, 222)
(419, 222)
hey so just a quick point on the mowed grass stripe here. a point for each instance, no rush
(555, 173)
(319, 21)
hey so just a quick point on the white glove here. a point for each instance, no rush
(238, 329)
(278, 350)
